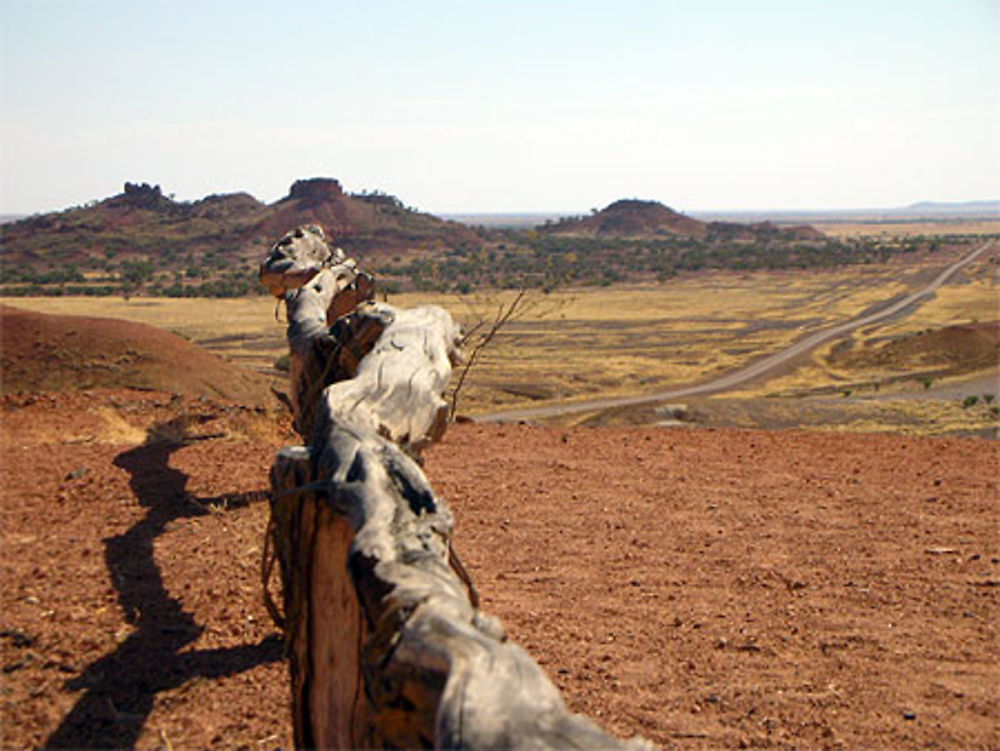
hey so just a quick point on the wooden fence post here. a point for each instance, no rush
(387, 647)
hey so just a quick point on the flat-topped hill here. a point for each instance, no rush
(143, 238)
(143, 241)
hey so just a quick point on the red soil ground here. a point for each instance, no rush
(707, 589)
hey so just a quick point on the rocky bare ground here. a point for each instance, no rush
(705, 588)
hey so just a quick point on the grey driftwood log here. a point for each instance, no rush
(386, 644)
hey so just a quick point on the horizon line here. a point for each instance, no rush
(989, 205)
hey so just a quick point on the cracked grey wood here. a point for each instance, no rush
(386, 648)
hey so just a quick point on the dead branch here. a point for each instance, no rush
(504, 314)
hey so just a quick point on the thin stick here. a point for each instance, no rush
(498, 323)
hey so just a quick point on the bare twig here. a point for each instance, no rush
(504, 314)
(471, 332)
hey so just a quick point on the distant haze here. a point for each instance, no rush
(923, 209)
(968, 207)
(504, 107)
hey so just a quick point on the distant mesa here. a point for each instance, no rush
(317, 200)
(142, 241)
(141, 196)
(142, 190)
(142, 224)
(316, 189)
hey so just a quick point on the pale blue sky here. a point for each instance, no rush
(505, 106)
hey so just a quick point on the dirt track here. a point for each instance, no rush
(704, 588)
(763, 366)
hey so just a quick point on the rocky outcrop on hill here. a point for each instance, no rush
(316, 190)
(319, 201)
(209, 247)
(142, 196)
(215, 240)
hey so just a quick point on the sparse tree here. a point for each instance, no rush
(134, 275)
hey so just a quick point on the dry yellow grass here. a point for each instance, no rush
(973, 298)
(640, 339)
(581, 343)
(196, 318)
(915, 417)
(889, 229)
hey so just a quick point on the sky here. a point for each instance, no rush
(482, 106)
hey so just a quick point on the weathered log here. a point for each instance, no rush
(397, 388)
(296, 258)
(387, 646)
(321, 287)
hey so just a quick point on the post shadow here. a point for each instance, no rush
(120, 687)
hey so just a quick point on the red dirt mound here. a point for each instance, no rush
(954, 349)
(54, 353)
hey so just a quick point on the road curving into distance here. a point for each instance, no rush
(748, 372)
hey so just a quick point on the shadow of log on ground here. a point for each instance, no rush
(121, 687)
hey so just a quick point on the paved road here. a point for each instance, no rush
(744, 374)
